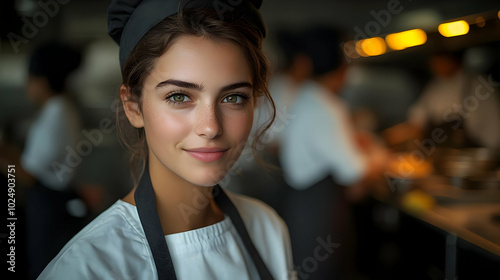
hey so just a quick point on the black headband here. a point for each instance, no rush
(130, 20)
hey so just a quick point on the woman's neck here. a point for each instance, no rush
(181, 205)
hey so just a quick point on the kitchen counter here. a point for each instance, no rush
(470, 215)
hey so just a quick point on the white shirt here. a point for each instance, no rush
(114, 246)
(56, 130)
(438, 97)
(319, 142)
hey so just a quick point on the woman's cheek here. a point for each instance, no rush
(241, 125)
(168, 126)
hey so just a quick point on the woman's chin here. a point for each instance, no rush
(208, 179)
(205, 183)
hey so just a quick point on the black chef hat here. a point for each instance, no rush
(130, 20)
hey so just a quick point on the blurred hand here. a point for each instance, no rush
(401, 133)
(377, 154)
(377, 157)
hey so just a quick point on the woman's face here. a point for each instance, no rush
(197, 109)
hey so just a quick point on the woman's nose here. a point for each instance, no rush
(208, 122)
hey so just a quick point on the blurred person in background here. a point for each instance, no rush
(320, 151)
(462, 106)
(446, 87)
(43, 166)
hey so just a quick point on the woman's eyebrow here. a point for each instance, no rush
(235, 86)
(200, 87)
(182, 84)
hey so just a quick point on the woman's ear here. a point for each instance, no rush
(132, 109)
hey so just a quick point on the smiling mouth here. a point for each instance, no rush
(207, 154)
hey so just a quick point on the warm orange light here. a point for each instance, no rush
(480, 22)
(406, 39)
(455, 28)
(498, 14)
(373, 46)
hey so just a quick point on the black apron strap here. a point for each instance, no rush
(229, 209)
(146, 208)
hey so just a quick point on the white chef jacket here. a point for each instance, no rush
(114, 246)
(438, 97)
(55, 133)
(319, 141)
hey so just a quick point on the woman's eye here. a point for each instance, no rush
(233, 99)
(178, 98)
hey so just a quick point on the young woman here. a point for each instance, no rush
(192, 75)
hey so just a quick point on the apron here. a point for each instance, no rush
(146, 208)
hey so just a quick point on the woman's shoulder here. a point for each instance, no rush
(103, 246)
(258, 216)
(121, 216)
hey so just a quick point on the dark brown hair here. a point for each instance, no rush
(156, 42)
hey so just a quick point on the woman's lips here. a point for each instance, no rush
(207, 154)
